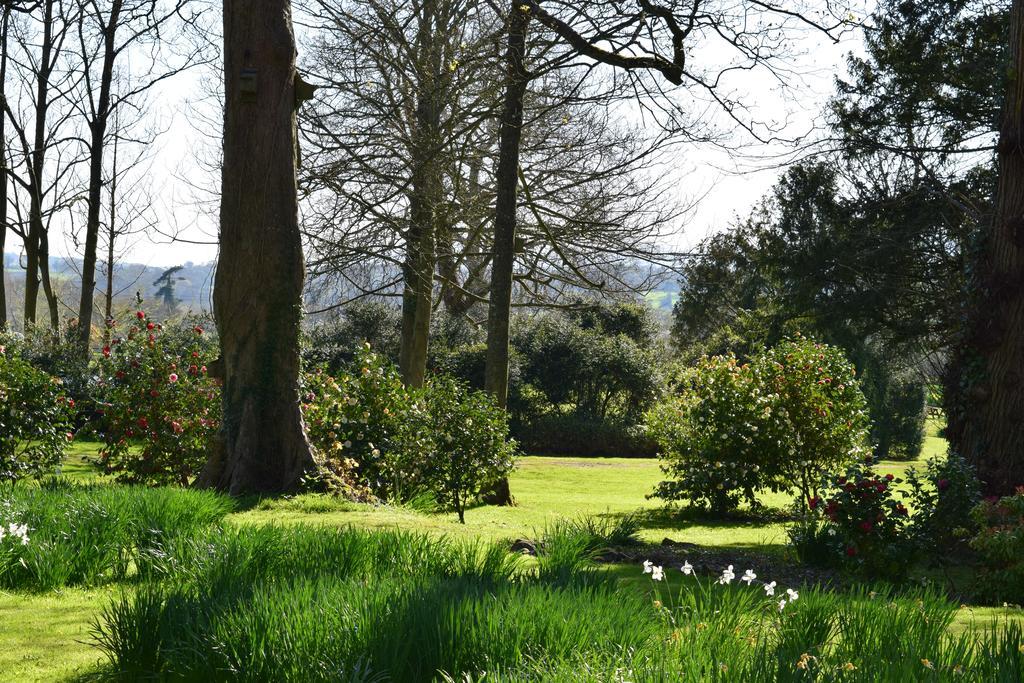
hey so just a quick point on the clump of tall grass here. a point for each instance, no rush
(312, 604)
(86, 535)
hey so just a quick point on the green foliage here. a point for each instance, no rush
(58, 355)
(35, 419)
(471, 449)
(306, 603)
(94, 534)
(943, 497)
(335, 344)
(783, 420)
(366, 427)
(1000, 543)
(856, 522)
(160, 407)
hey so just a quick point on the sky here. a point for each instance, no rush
(727, 186)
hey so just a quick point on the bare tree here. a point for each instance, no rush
(258, 288)
(108, 34)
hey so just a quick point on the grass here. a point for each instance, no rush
(41, 635)
(46, 637)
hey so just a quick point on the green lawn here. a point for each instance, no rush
(42, 637)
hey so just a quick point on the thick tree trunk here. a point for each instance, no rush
(98, 132)
(257, 293)
(987, 427)
(506, 189)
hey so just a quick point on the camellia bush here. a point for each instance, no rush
(35, 419)
(857, 522)
(781, 421)
(472, 449)
(160, 407)
(367, 429)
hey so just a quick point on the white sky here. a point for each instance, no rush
(729, 186)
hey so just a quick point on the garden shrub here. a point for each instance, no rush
(856, 522)
(1000, 544)
(471, 448)
(58, 355)
(334, 344)
(160, 407)
(560, 434)
(367, 428)
(781, 421)
(35, 419)
(942, 498)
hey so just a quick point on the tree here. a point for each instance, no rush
(257, 296)
(107, 36)
(634, 44)
(987, 426)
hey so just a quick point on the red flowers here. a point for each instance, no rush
(851, 551)
(197, 329)
(889, 477)
(150, 326)
(172, 378)
(866, 526)
(143, 423)
(141, 315)
(193, 370)
(813, 503)
(942, 484)
(106, 352)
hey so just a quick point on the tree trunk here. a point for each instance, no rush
(108, 291)
(44, 277)
(98, 132)
(424, 205)
(506, 189)
(4, 20)
(36, 248)
(257, 297)
(987, 427)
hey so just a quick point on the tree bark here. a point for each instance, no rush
(4, 21)
(262, 446)
(506, 190)
(424, 205)
(97, 133)
(987, 424)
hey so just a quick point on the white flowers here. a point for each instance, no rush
(656, 572)
(782, 604)
(769, 589)
(748, 576)
(14, 531)
(687, 568)
(727, 576)
(793, 595)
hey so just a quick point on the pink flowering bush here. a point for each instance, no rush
(160, 409)
(35, 418)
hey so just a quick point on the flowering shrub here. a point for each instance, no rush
(35, 419)
(856, 522)
(1000, 543)
(160, 407)
(942, 498)
(472, 449)
(783, 420)
(364, 425)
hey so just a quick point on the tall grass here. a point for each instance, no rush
(87, 535)
(315, 604)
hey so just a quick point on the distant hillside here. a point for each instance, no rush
(193, 284)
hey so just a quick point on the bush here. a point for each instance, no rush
(471, 445)
(558, 434)
(942, 498)
(160, 407)
(58, 356)
(856, 522)
(1000, 544)
(334, 344)
(783, 420)
(35, 419)
(367, 429)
